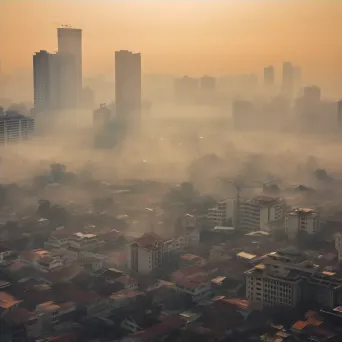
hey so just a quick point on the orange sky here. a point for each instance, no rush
(181, 36)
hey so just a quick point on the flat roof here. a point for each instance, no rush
(245, 255)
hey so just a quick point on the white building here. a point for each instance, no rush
(146, 253)
(255, 214)
(199, 290)
(14, 127)
(223, 211)
(301, 220)
(277, 281)
(85, 241)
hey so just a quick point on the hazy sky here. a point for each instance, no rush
(181, 36)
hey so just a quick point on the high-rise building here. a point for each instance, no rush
(69, 93)
(45, 81)
(257, 213)
(269, 76)
(288, 79)
(339, 113)
(297, 78)
(14, 127)
(312, 94)
(207, 83)
(128, 87)
(70, 50)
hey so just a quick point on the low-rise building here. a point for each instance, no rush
(48, 263)
(85, 242)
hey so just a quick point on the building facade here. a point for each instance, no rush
(128, 87)
(269, 76)
(257, 213)
(302, 220)
(70, 52)
(14, 127)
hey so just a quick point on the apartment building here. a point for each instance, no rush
(278, 280)
(146, 253)
(301, 220)
(85, 241)
(220, 214)
(255, 214)
(14, 127)
(287, 277)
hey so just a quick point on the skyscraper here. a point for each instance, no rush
(128, 87)
(70, 50)
(288, 79)
(45, 81)
(269, 76)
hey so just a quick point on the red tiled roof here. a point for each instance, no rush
(242, 304)
(188, 284)
(190, 257)
(7, 300)
(299, 325)
(164, 328)
(65, 273)
(188, 271)
(148, 240)
(125, 294)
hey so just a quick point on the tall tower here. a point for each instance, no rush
(288, 79)
(70, 50)
(45, 81)
(269, 77)
(128, 87)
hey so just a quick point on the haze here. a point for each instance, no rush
(193, 37)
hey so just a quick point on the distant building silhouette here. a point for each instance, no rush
(312, 94)
(288, 79)
(186, 89)
(128, 88)
(207, 84)
(339, 113)
(70, 50)
(101, 116)
(269, 76)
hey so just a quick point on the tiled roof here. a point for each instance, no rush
(299, 325)
(7, 300)
(164, 328)
(148, 240)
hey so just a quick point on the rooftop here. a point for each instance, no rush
(148, 240)
(7, 301)
(245, 255)
(125, 294)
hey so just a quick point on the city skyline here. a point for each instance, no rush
(215, 30)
